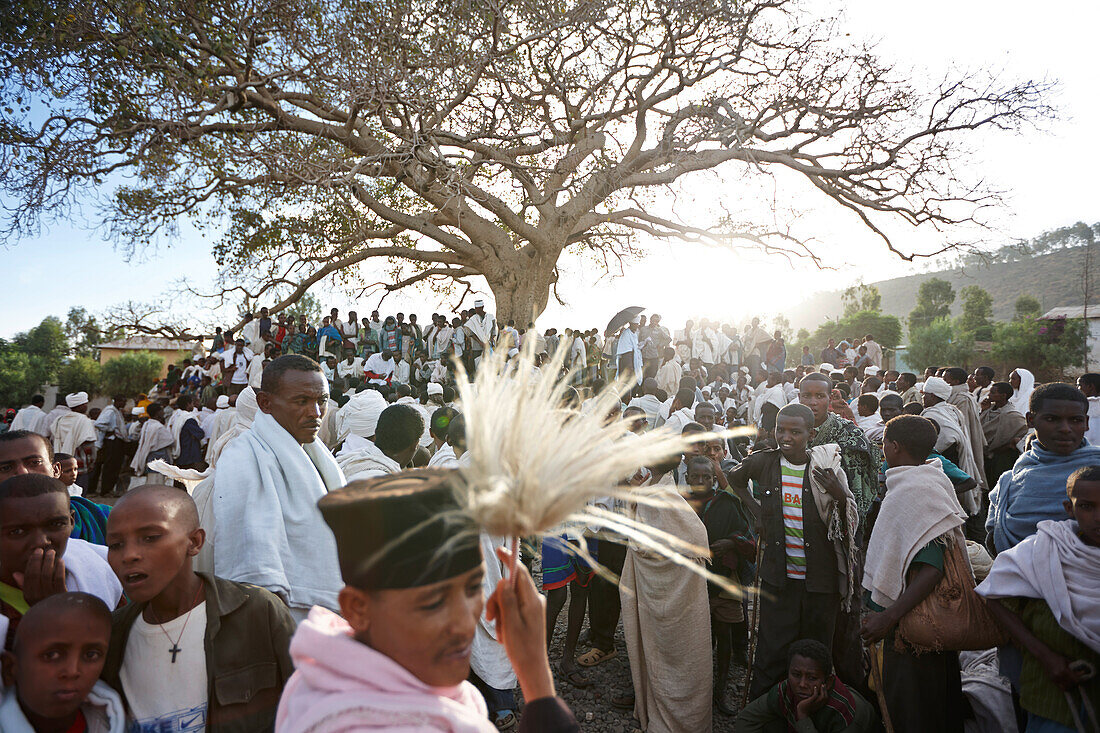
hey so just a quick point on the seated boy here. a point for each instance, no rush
(51, 674)
(1046, 593)
(185, 634)
(800, 577)
(919, 517)
(733, 547)
(398, 656)
(810, 700)
(38, 558)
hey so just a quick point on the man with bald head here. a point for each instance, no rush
(269, 531)
(183, 629)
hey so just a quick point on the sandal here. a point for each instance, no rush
(575, 678)
(595, 656)
(507, 721)
(623, 702)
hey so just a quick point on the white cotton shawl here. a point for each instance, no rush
(359, 416)
(362, 459)
(32, 418)
(72, 430)
(488, 660)
(954, 432)
(1022, 396)
(103, 711)
(1057, 567)
(426, 437)
(270, 532)
(443, 458)
(155, 436)
(175, 424)
(872, 426)
(919, 506)
(219, 423)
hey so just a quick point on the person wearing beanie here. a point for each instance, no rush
(398, 655)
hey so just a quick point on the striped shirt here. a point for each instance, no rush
(791, 485)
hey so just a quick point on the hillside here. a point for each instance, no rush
(1055, 279)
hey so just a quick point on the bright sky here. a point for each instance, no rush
(1050, 174)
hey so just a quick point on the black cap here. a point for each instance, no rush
(401, 531)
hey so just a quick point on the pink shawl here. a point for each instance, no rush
(341, 684)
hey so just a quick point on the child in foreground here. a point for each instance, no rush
(51, 674)
(1045, 591)
(398, 656)
(192, 651)
(38, 558)
(812, 699)
(920, 515)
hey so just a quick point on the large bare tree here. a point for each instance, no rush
(463, 137)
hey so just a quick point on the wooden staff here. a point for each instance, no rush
(755, 625)
(876, 678)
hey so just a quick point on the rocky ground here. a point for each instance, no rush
(592, 705)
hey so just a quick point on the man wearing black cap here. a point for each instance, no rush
(266, 488)
(400, 655)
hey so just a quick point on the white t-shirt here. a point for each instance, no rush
(164, 695)
(241, 360)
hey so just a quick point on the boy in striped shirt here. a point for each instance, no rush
(799, 577)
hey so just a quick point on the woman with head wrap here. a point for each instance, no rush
(1023, 384)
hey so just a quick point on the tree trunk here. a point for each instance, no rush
(521, 292)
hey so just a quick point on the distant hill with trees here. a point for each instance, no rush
(1057, 268)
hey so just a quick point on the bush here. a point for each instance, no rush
(131, 374)
(16, 377)
(80, 374)
(939, 344)
(1047, 348)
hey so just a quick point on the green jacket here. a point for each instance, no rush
(247, 645)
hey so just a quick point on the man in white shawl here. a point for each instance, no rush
(648, 401)
(266, 487)
(379, 368)
(154, 442)
(628, 352)
(953, 441)
(184, 411)
(666, 615)
(216, 422)
(73, 432)
(32, 417)
(961, 398)
(482, 328)
(110, 428)
(1045, 591)
(394, 438)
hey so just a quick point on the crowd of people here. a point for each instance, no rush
(286, 492)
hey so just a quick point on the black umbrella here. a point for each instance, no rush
(620, 319)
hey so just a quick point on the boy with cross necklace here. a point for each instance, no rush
(192, 652)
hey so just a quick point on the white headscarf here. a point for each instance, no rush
(1022, 396)
(360, 415)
